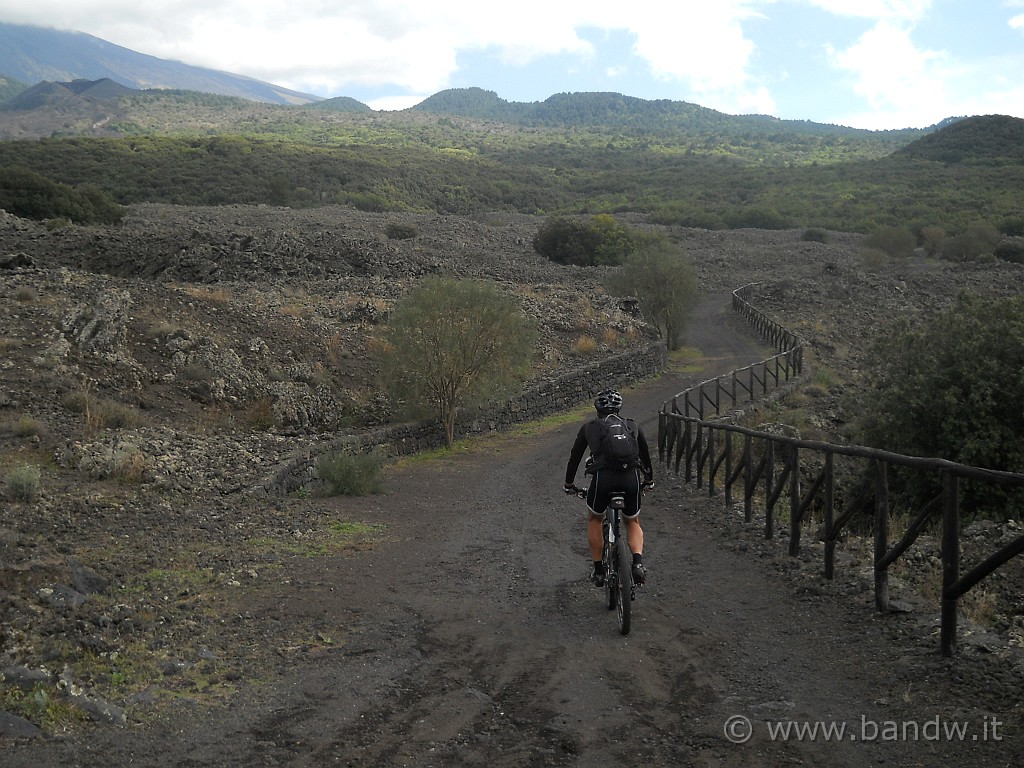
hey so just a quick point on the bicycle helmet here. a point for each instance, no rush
(608, 401)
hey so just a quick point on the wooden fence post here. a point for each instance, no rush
(794, 501)
(711, 461)
(950, 561)
(881, 535)
(728, 468)
(830, 496)
(748, 480)
(769, 496)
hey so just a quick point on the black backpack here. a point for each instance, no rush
(618, 447)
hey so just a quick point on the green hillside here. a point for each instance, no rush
(468, 151)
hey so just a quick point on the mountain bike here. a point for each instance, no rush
(619, 587)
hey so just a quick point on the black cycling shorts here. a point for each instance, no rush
(608, 480)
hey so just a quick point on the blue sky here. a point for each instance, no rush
(876, 64)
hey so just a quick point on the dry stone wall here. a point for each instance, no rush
(540, 399)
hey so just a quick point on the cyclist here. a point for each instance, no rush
(611, 478)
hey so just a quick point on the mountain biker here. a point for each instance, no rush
(608, 479)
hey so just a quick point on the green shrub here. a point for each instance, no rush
(874, 258)
(978, 239)
(395, 231)
(26, 426)
(30, 195)
(22, 483)
(1012, 226)
(951, 388)
(110, 415)
(1011, 250)
(931, 239)
(600, 240)
(346, 474)
(814, 235)
(755, 218)
(898, 242)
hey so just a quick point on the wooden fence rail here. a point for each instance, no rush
(703, 445)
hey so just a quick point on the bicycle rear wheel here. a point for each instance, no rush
(610, 590)
(624, 587)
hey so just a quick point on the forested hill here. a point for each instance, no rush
(619, 112)
(467, 151)
(988, 140)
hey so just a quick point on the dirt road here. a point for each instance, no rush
(471, 636)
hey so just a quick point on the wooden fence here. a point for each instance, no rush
(708, 447)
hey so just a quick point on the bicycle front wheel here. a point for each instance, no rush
(625, 583)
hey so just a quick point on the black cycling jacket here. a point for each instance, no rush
(589, 437)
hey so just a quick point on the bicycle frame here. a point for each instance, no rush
(620, 589)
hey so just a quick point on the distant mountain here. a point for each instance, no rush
(32, 54)
(987, 139)
(47, 94)
(9, 88)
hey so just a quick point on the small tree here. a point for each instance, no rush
(454, 343)
(663, 278)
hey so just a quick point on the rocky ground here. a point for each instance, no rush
(154, 371)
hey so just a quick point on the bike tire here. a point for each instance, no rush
(611, 593)
(624, 600)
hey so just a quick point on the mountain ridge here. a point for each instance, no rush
(32, 54)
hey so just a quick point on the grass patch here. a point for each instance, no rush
(339, 536)
(585, 345)
(43, 706)
(688, 360)
(345, 474)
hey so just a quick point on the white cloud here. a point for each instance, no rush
(888, 68)
(879, 10)
(702, 49)
(697, 50)
(325, 46)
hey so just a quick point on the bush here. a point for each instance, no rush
(873, 258)
(396, 231)
(814, 235)
(1011, 250)
(345, 474)
(1012, 226)
(22, 483)
(600, 240)
(951, 388)
(756, 218)
(898, 242)
(27, 426)
(30, 195)
(931, 239)
(977, 240)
